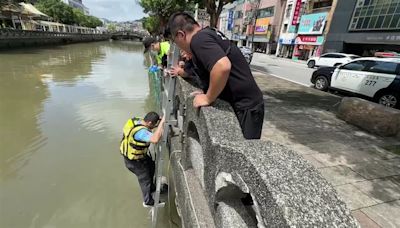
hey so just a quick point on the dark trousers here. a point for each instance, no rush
(144, 170)
(251, 121)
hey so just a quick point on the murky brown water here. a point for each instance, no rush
(61, 113)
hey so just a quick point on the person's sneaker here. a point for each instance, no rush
(161, 204)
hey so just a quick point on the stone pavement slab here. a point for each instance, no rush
(375, 169)
(361, 166)
(354, 198)
(385, 214)
(364, 220)
(381, 190)
(339, 175)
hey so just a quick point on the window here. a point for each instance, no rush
(288, 11)
(332, 56)
(322, 4)
(375, 15)
(356, 65)
(383, 67)
(267, 12)
(238, 14)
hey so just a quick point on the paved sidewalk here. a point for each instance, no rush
(364, 169)
(273, 57)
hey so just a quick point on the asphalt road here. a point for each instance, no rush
(287, 69)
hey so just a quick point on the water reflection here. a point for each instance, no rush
(61, 113)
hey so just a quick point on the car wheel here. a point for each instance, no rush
(321, 83)
(389, 99)
(311, 64)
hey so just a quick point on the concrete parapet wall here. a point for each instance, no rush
(20, 38)
(217, 172)
(372, 117)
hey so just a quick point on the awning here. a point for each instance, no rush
(10, 8)
(30, 9)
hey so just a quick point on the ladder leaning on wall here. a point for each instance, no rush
(168, 96)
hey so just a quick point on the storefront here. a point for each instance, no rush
(310, 39)
(286, 45)
(262, 36)
(307, 47)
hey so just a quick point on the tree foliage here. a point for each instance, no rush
(161, 10)
(64, 13)
(56, 9)
(151, 24)
(214, 9)
(84, 20)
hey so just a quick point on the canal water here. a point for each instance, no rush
(62, 109)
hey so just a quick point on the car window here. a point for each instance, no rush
(354, 56)
(340, 56)
(383, 67)
(356, 65)
(329, 56)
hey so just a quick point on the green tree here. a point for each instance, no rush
(151, 24)
(111, 27)
(163, 9)
(56, 9)
(214, 9)
(84, 20)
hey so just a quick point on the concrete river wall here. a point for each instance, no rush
(221, 179)
(21, 38)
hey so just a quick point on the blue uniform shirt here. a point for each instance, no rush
(143, 135)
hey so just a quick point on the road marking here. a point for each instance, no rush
(277, 76)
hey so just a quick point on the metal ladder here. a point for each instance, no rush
(167, 108)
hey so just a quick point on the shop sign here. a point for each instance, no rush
(310, 40)
(230, 20)
(262, 25)
(312, 23)
(262, 39)
(296, 14)
(292, 29)
(286, 41)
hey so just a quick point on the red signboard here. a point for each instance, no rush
(308, 39)
(296, 14)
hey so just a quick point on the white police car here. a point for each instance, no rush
(374, 78)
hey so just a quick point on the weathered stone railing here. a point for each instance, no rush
(18, 34)
(216, 173)
(22, 38)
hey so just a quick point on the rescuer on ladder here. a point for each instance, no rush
(137, 136)
(160, 48)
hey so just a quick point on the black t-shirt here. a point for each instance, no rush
(208, 46)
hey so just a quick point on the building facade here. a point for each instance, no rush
(77, 4)
(267, 25)
(226, 20)
(313, 28)
(363, 27)
(289, 27)
(239, 22)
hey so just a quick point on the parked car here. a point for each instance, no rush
(375, 78)
(331, 59)
(247, 53)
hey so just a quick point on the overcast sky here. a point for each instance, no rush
(115, 10)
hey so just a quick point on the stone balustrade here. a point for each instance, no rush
(223, 180)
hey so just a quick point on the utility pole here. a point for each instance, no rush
(255, 5)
